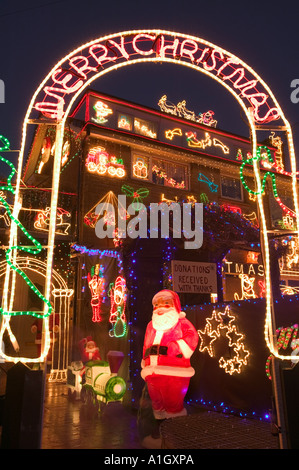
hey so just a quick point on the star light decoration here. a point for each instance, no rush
(169, 134)
(223, 324)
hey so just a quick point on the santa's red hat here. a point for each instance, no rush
(166, 294)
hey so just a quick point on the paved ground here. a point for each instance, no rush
(69, 425)
(211, 430)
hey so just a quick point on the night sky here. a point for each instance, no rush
(35, 34)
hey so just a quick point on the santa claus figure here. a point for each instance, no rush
(170, 340)
(89, 350)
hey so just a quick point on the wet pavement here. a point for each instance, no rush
(68, 424)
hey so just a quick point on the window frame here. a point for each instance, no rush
(130, 117)
(228, 197)
(150, 159)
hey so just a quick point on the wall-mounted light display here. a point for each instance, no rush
(140, 167)
(124, 122)
(145, 128)
(100, 162)
(102, 111)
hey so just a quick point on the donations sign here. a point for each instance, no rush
(194, 277)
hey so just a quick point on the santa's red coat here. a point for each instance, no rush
(180, 340)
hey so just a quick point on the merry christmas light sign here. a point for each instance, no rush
(57, 93)
(72, 75)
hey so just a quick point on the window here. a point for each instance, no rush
(140, 167)
(146, 128)
(169, 174)
(102, 112)
(124, 122)
(231, 188)
(162, 172)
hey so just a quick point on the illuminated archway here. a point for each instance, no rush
(57, 93)
(61, 296)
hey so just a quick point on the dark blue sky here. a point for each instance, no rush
(35, 34)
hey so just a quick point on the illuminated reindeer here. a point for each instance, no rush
(184, 112)
(167, 106)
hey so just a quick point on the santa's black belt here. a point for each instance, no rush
(156, 350)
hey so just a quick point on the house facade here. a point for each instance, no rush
(118, 154)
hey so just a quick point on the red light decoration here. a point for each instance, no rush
(70, 76)
(100, 162)
(286, 337)
(59, 90)
(96, 284)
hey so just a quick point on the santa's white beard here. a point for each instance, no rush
(167, 319)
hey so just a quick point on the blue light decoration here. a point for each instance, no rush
(101, 253)
(167, 256)
(223, 224)
(165, 281)
(221, 407)
(204, 198)
(133, 315)
(204, 179)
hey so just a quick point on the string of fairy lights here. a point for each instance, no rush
(168, 47)
(33, 249)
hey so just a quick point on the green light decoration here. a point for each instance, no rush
(204, 198)
(265, 156)
(137, 195)
(117, 312)
(5, 142)
(34, 250)
(119, 325)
